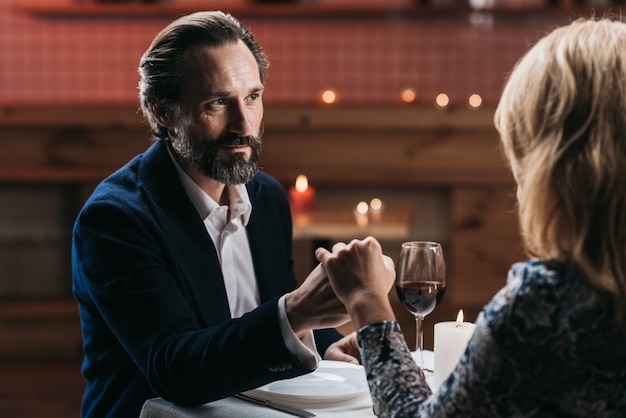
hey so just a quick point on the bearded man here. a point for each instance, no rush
(182, 264)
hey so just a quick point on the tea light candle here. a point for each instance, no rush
(451, 339)
(360, 214)
(301, 195)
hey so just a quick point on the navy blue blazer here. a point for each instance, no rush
(153, 305)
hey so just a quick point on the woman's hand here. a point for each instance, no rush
(361, 276)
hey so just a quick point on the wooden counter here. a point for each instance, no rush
(337, 222)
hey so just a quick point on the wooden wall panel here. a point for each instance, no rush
(400, 146)
(35, 226)
(484, 243)
(398, 158)
(71, 153)
(40, 330)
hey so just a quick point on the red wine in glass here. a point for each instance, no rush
(420, 298)
(420, 282)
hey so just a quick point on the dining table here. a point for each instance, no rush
(318, 394)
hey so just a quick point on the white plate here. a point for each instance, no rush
(332, 381)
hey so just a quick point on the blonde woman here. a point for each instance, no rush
(552, 342)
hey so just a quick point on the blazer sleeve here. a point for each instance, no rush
(134, 305)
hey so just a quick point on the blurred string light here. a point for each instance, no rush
(475, 101)
(442, 100)
(329, 96)
(408, 95)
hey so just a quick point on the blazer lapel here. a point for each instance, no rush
(271, 256)
(194, 255)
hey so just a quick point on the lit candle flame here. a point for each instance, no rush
(459, 318)
(302, 183)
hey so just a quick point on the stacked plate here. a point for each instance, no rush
(334, 384)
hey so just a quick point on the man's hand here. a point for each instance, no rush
(314, 305)
(346, 349)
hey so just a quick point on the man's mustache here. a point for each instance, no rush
(232, 139)
(237, 140)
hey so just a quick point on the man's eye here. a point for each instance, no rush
(254, 96)
(218, 102)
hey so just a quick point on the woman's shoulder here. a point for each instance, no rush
(526, 281)
(537, 281)
(539, 303)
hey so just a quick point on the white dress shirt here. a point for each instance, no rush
(231, 242)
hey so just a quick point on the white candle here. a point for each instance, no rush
(451, 339)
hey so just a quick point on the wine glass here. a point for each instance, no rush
(420, 283)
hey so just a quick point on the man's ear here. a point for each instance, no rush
(162, 114)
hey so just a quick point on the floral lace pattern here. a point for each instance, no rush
(543, 347)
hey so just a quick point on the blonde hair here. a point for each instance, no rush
(562, 122)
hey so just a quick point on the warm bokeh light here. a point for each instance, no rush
(442, 100)
(480, 4)
(408, 96)
(362, 208)
(329, 96)
(360, 214)
(302, 183)
(376, 204)
(475, 101)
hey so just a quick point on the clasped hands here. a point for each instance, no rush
(351, 282)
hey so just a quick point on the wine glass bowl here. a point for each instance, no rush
(420, 282)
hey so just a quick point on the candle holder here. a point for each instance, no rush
(301, 195)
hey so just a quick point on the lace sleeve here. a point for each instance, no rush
(397, 385)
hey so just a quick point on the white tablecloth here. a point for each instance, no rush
(360, 407)
(233, 407)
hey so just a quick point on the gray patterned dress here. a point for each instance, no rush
(543, 347)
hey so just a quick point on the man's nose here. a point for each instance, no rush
(241, 121)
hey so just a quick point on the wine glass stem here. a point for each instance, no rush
(419, 338)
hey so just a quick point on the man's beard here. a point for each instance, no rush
(204, 155)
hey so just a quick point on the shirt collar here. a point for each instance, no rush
(205, 205)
